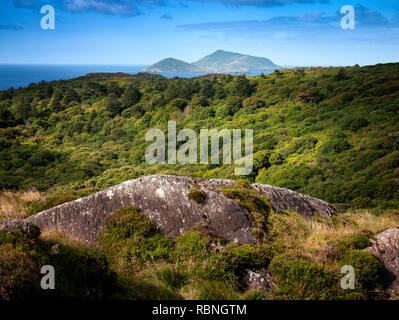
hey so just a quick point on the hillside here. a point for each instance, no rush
(230, 62)
(171, 65)
(327, 133)
(331, 133)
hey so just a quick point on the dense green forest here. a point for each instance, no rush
(332, 133)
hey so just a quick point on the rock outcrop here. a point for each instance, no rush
(164, 200)
(386, 248)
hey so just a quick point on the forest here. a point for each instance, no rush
(332, 133)
(328, 132)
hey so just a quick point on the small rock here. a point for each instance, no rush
(55, 249)
(258, 279)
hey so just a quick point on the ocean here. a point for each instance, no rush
(21, 75)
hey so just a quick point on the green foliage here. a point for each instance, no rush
(193, 244)
(55, 200)
(258, 207)
(197, 195)
(131, 239)
(81, 272)
(241, 87)
(327, 132)
(302, 279)
(368, 269)
(355, 241)
(131, 96)
(253, 102)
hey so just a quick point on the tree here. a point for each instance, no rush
(340, 75)
(6, 117)
(55, 101)
(206, 89)
(115, 89)
(299, 73)
(178, 104)
(242, 87)
(70, 96)
(232, 105)
(253, 102)
(112, 105)
(219, 92)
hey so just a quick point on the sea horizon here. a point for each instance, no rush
(18, 75)
(21, 75)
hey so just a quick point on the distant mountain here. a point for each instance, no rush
(225, 62)
(218, 62)
(171, 65)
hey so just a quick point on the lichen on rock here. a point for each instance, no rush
(165, 200)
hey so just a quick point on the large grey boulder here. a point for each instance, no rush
(164, 200)
(285, 199)
(386, 248)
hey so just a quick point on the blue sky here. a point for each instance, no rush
(289, 32)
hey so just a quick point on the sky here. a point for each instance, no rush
(289, 32)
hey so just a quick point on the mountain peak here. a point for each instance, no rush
(172, 65)
(220, 61)
(231, 62)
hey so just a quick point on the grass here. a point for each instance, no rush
(14, 205)
(303, 257)
(82, 270)
(21, 204)
(310, 253)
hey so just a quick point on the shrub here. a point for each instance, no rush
(19, 274)
(129, 238)
(197, 195)
(81, 272)
(20, 233)
(355, 241)
(258, 207)
(302, 279)
(192, 244)
(55, 200)
(368, 269)
(253, 102)
(335, 146)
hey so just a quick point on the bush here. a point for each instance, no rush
(129, 238)
(253, 102)
(355, 241)
(81, 272)
(197, 195)
(368, 269)
(302, 279)
(192, 244)
(55, 200)
(257, 206)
